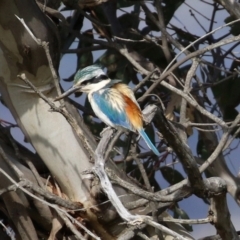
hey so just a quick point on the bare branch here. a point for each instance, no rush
(221, 217)
(12, 166)
(186, 90)
(183, 152)
(188, 221)
(68, 116)
(46, 49)
(105, 183)
(70, 225)
(48, 204)
(176, 196)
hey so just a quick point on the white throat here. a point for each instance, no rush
(94, 87)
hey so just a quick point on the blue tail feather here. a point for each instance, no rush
(148, 142)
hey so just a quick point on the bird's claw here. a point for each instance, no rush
(104, 130)
(137, 221)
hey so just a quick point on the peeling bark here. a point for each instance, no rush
(49, 132)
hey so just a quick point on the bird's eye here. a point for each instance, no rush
(94, 80)
(99, 78)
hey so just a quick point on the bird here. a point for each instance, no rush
(112, 101)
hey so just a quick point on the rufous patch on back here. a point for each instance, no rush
(124, 89)
(133, 112)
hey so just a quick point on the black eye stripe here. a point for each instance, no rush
(96, 79)
(99, 78)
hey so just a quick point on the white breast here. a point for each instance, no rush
(98, 112)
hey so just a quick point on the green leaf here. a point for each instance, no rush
(202, 150)
(129, 20)
(227, 95)
(118, 66)
(234, 28)
(179, 213)
(151, 24)
(85, 59)
(149, 51)
(171, 175)
(126, 3)
(231, 86)
(169, 7)
(224, 100)
(109, 59)
(183, 35)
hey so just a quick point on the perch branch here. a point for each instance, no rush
(108, 189)
(105, 183)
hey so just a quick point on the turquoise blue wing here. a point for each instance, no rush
(115, 116)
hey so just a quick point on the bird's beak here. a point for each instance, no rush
(68, 92)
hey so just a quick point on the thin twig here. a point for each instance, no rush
(164, 229)
(12, 166)
(8, 230)
(44, 193)
(159, 197)
(84, 50)
(153, 205)
(195, 104)
(186, 90)
(46, 49)
(49, 204)
(143, 81)
(188, 221)
(221, 145)
(70, 225)
(143, 236)
(195, 54)
(26, 160)
(162, 27)
(199, 39)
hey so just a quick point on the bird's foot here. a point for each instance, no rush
(135, 222)
(104, 130)
(138, 220)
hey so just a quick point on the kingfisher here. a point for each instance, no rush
(112, 101)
